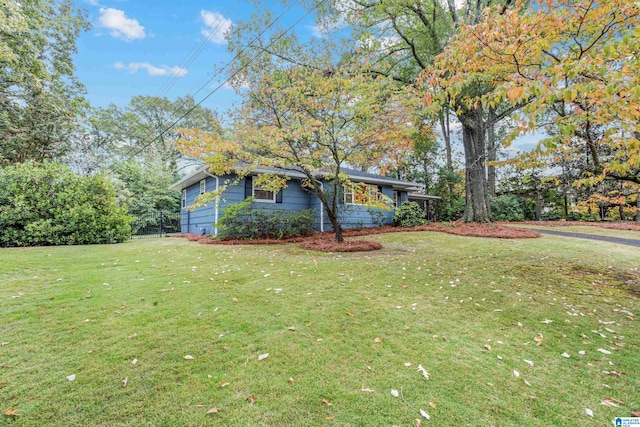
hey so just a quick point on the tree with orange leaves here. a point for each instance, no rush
(571, 67)
(310, 120)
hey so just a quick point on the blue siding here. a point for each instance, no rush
(294, 198)
(201, 220)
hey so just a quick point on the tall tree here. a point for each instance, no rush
(41, 100)
(144, 129)
(575, 64)
(406, 36)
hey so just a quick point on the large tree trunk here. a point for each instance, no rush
(477, 204)
(335, 225)
(491, 153)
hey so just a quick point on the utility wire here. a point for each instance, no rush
(234, 74)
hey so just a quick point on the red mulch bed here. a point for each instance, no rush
(326, 241)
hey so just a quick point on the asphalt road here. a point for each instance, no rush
(620, 240)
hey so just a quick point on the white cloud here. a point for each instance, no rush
(121, 27)
(324, 28)
(216, 26)
(152, 70)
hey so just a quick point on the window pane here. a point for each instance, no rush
(261, 194)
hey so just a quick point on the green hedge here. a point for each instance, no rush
(46, 204)
(506, 208)
(243, 221)
(409, 214)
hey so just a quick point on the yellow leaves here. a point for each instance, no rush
(515, 93)
(569, 95)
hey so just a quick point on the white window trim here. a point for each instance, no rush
(349, 192)
(203, 186)
(184, 199)
(352, 194)
(253, 193)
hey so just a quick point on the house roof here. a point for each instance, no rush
(353, 174)
(422, 196)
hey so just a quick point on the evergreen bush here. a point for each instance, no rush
(409, 214)
(46, 204)
(244, 222)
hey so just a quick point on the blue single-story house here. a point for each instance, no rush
(294, 196)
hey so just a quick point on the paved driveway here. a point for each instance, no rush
(620, 240)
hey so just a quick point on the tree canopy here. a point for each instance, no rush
(41, 100)
(314, 120)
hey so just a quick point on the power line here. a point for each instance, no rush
(204, 84)
(145, 146)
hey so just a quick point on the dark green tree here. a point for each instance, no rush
(41, 100)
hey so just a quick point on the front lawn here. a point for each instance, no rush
(489, 319)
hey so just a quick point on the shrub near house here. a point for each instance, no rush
(46, 204)
(244, 221)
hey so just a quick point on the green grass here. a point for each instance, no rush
(433, 299)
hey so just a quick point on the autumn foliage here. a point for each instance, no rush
(572, 70)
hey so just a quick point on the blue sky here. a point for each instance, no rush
(139, 47)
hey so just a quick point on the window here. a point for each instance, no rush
(203, 186)
(362, 194)
(396, 198)
(260, 195)
(184, 198)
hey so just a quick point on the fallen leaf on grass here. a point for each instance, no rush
(635, 413)
(618, 344)
(224, 384)
(366, 390)
(326, 402)
(516, 373)
(432, 404)
(394, 393)
(603, 351)
(565, 355)
(547, 321)
(418, 422)
(234, 299)
(528, 362)
(291, 328)
(11, 412)
(213, 410)
(188, 357)
(538, 340)
(134, 361)
(252, 399)
(263, 356)
(290, 380)
(611, 402)
(424, 372)
(378, 340)
(132, 336)
(2, 344)
(424, 414)
(588, 412)
(487, 346)
(71, 377)
(125, 381)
